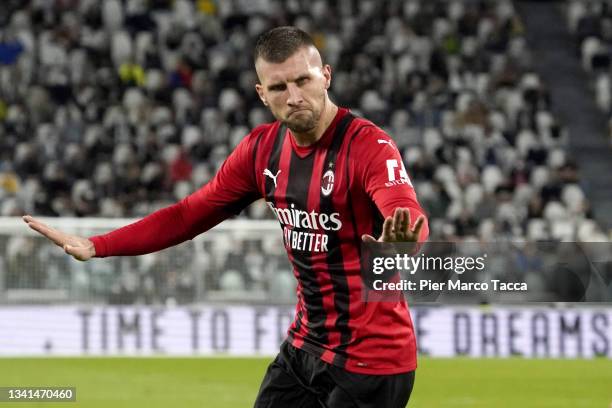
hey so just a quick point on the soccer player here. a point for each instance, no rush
(332, 180)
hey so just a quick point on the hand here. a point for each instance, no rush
(397, 228)
(80, 248)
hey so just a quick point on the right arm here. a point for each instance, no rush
(232, 189)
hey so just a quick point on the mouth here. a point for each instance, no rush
(297, 111)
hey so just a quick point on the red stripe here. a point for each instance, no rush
(362, 313)
(298, 337)
(328, 356)
(350, 253)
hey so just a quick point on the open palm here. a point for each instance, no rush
(397, 228)
(79, 247)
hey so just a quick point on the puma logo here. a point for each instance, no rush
(381, 141)
(272, 176)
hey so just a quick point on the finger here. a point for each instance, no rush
(406, 226)
(71, 250)
(48, 232)
(368, 238)
(418, 225)
(397, 219)
(80, 254)
(387, 233)
(54, 235)
(403, 231)
(400, 227)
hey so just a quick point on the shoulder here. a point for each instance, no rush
(258, 136)
(265, 130)
(367, 135)
(264, 134)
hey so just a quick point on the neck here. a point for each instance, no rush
(309, 138)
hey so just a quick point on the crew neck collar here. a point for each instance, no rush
(303, 151)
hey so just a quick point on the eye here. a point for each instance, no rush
(277, 88)
(301, 81)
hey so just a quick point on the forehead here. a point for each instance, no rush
(303, 61)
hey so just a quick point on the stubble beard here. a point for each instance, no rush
(302, 122)
(305, 121)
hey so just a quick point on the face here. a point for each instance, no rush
(295, 90)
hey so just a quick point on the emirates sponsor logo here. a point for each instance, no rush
(308, 220)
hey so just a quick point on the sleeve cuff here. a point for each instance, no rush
(99, 245)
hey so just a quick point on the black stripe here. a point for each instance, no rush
(273, 163)
(335, 261)
(377, 221)
(236, 207)
(298, 184)
(298, 321)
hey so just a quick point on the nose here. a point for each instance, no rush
(295, 95)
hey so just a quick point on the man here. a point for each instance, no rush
(332, 180)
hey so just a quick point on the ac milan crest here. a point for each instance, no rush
(327, 182)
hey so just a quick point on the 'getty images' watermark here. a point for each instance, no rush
(487, 272)
(412, 264)
(422, 263)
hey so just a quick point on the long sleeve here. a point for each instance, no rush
(232, 189)
(384, 176)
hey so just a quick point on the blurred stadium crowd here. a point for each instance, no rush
(591, 24)
(118, 108)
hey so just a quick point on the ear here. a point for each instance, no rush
(260, 92)
(327, 73)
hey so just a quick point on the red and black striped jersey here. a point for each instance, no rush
(325, 197)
